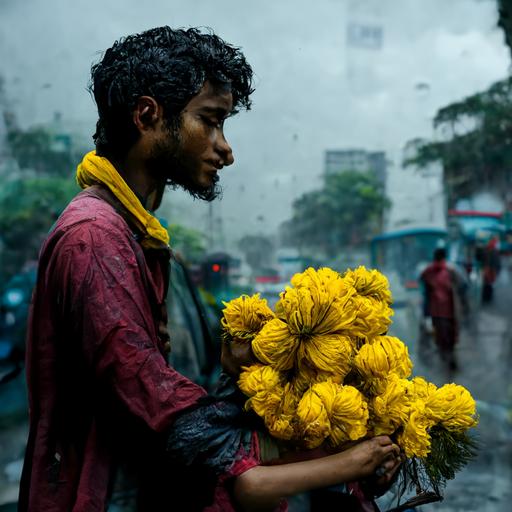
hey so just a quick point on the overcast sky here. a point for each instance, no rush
(314, 91)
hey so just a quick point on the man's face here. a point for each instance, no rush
(191, 155)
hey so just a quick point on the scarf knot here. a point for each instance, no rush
(96, 169)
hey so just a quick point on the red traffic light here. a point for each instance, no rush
(216, 267)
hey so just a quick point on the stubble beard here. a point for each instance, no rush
(168, 163)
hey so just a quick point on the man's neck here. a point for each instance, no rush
(148, 190)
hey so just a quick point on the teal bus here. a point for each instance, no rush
(403, 253)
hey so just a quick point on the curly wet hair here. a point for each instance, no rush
(170, 65)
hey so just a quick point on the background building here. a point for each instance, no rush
(340, 160)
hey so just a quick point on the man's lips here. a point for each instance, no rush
(216, 164)
(212, 173)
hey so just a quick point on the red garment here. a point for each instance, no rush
(446, 333)
(440, 289)
(99, 385)
(244, 462)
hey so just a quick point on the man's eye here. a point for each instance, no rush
(212, 122)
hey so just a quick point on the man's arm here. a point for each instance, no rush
(261, 488)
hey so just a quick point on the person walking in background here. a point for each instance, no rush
(491, 266)
(443, 286)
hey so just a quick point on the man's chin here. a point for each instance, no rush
(208, 193)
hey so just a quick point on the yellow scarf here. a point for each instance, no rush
(96, 169)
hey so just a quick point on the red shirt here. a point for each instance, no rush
(438, 280)
(100, 389)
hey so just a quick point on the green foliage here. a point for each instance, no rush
(28, 208)
(31, 201)
(476, 141)
(346, 211)
(35, 149)
(187, 241)
(450, 452)
(505, 20)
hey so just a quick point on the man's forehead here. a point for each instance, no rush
(213, 97)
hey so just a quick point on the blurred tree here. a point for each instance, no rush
(505, 20)
(189, 242)
(28, 208)
(34, 149)
(345, 212)
(32, 193)
(258, 251)
(475, 145)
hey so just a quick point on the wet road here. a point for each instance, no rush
(484, 356)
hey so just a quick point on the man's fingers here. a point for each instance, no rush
(383, 440)
(391, 466)
(390, 462)
(392, 448)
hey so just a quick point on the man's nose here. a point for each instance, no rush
(224, 150)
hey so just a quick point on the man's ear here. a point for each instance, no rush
(146, 114)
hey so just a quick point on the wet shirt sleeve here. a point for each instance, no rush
(107, 312)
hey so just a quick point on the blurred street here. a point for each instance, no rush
(484, 355)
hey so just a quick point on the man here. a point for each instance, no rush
(102, 396)
(100, 388)
(442, 287)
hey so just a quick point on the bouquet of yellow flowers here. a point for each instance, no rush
(327, 373)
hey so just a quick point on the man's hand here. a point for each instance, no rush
(235, 354)
(384, 475)
(370, 455)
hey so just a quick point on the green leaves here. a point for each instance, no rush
(505, 20)
(28, 208)
(42, 152)
(187, 241)
(450, 452)
(476, 141)
(346, 211)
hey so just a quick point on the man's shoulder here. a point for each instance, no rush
(87, 207)
(89, 214)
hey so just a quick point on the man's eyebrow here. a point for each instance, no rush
(218, 111)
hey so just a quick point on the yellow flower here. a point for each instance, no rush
(275, 345)
(452, 406)
(377, 360)
(268, 398)
(328, 330)
(263, 385)
(326, 353)
(313, 419)
(245, 316)
(318, 304)
(331, 410)
(422, 388)
(304, 377)
(281, 421)
(349, 415)
(373, 317)
(325, 282)
(369, 283)
(280, 427)
(415, 440)
(390, 409)
(256, 378)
